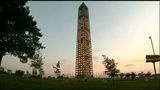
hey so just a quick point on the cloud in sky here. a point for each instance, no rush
(129, 65)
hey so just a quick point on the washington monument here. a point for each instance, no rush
(84, 65)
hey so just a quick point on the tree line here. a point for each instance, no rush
(21, 73)
(112, 71)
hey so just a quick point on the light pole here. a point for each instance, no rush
(152, 44)
(153, 54)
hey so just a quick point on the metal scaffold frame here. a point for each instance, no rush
(84, 65)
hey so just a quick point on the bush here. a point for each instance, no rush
(19, 73)
(9, 71)
(1, 69)
(127, 75)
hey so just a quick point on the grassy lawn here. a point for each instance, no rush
(14, 82)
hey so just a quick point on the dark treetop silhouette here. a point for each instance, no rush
(111, 67)
(57, 69)
(19, 35)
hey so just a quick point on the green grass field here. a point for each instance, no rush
(14, 82)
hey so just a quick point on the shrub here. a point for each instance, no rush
(19, 73)
(1, 69)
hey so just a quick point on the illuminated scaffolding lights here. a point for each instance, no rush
(84, 67)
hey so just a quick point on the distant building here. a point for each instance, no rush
(84, 65)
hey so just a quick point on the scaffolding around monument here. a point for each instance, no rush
(84, 65)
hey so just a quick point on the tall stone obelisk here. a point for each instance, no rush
(84, 65)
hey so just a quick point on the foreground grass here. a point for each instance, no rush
(14, 82)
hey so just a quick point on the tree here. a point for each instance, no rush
(27, 74)
(41, 71)
(110, 65)
(19, 35)
(127, 75)
(148, 74)
(133, 75)
(122, 75)
(34, 72)
(57, 69)
(19, 73)
(111, 68)
(37, 63)
(141, 75)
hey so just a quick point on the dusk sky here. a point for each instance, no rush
(119, 29)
